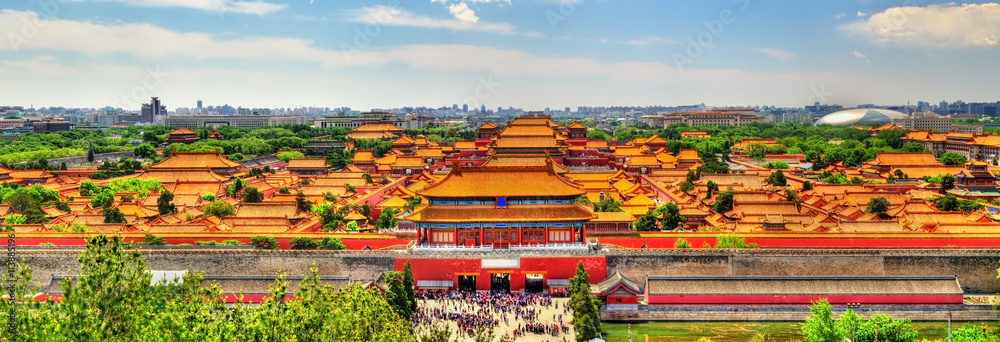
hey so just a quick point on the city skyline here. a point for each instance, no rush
(532, 54)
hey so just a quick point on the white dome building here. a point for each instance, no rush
(861, 116)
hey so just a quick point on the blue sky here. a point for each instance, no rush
(529, 53)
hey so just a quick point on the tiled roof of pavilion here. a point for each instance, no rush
(183, 130)
(268, 209)
(363, 156)
(307, 163)
(393, 202)
(529, 159)
(895, 159)
(502, 181)
(888, 226)
(194, 159)
(488, 124)
(548, 213)
(614, 282)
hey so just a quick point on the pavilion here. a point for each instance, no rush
(501, 206)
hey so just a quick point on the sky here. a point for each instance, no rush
(530, 54)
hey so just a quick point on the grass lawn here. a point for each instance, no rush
(742, 331)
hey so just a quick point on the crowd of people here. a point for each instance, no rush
(519, 314)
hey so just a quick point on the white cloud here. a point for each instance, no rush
(775, 53)
(218, 6)
(650, 41)
(858, 54)
(385, 15)
(945, 26)
(841, 15)
(462, 12)
(862, 14)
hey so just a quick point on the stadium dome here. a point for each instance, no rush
(860, 116)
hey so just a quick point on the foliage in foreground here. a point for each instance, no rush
(822, 327)
(112, 300)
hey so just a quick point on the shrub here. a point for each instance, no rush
(732, 240)
(264, 242)
(682, 244)
(301, 243)
(152, 240)
(331, 243)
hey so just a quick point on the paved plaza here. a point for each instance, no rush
(528, 318)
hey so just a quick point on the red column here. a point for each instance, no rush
(546, 232)
(583, 235)
(482, 236)
(418, 237)
(520, 236)
(456, 236)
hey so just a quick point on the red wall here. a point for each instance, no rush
(804, 299)
(552, 268)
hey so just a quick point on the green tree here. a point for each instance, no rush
(607, 205)
(387, 219)
(711, 188)
(113, 215)
(145, 151)
(682, 244)
(913, 147)
(219, 208)
(87, 188)
(586, 318)
(285, 157)
(878, 206)
(21, 202)
(252, 195)
(646, 223)
(807, 185)
(777, 178)
(236, 157)
(163, 203)
(946, 203)
(401, 294)
(687, 186)
(732, 241)
(208, 197)
(671, 217)
(724, 202)
(947, 183)
(820, 326)
(331, 243)
(301, 202)
(952, 158)
(303, 243)
(264, 242)
(152, 240)
(104, 199)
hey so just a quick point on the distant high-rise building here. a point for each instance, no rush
(482, 109)
(199, 104)
(152, 109)
(465, 107)
(567, 110)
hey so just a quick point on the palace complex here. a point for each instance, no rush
(530, 182)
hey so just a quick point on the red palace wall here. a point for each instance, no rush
(551, 268)
(804, 299)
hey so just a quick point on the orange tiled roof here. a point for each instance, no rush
(403, 140)
(308, 163)
(194, 159)
(904, 159)
(465, 145)
(576, 124)
(182, 130)
(363, 156)
(511, 159)
(173, 175)
(688, 154)
(643, 160)
(377, 127)
(526, 141)
(502, 181)
(488, 125)
(564, 212)
(270, 209)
